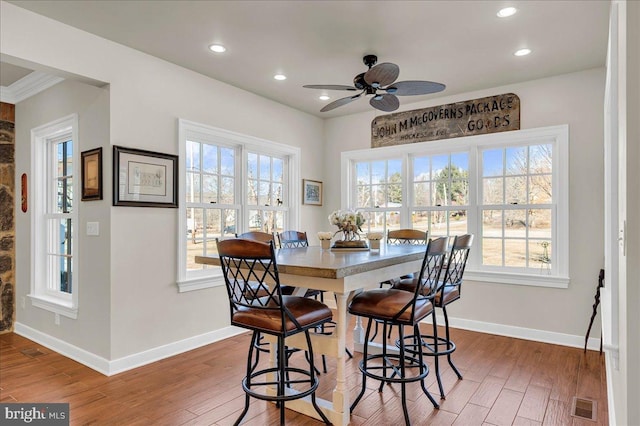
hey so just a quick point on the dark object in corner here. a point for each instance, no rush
(595, 310)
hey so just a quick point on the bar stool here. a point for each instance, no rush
(247, 261)
(400, 308)
(287, 290)
(447, 291)
(406, 236)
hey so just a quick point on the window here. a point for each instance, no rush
(54, 283)
(232, 184)
(210, 197)
(508, 189)
(266, 192)
(379, 193)
(517, 206)
(440, 189)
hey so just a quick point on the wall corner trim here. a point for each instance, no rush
(111, 367)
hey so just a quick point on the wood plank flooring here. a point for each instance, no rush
(506, 382)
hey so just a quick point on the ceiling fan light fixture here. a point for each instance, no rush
(324, 97)
(217, 48)
(381, 77)
(522, 52)
(506, 12)
(280, 77)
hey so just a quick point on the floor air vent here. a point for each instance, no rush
(32, 352)
(584, 408)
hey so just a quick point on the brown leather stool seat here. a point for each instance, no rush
(307, 313)
(247, 266)
(387, 305)
(394, 307)
(448, 294)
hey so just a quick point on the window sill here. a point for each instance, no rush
(57, 306)
(200, 283)
(518, 279)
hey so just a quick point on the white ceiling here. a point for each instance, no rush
(459, 43)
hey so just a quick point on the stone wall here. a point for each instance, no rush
(7, 216)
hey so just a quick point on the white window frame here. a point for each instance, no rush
(556, 135)
(286, 207)
(189, 130)
(41, 296)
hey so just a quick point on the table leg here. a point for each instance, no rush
(341, 393)
(358, 334)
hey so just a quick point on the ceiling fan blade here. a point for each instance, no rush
(385, 102)
(382, 74)
(330, 87)
(414, 87)
(339, 102)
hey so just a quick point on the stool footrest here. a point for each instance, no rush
(445, 347)
(389, 372)
(250, 386)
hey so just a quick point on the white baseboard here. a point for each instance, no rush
(519, 332)
(109, 368)
(87, 358)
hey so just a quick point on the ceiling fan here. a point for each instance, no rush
(379, 78)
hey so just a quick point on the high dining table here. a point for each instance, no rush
(343, 272)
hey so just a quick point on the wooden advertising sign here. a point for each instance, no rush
(492, 114)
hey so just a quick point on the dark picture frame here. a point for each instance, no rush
(91, 174)
(311, 192)
(144, 178)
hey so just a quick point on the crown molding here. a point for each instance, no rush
(28, 86)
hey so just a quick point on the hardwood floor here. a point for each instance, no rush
(506, 382)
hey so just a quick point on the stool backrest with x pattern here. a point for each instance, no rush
(407, 236)
(251, 277)
(292, 239)
(455, 266)
(428, 276)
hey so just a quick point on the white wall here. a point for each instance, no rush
(147, 96)
(92, 106)
(577, 100)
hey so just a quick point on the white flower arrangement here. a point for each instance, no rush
(325, 235)
(375, 236)
(348, 222)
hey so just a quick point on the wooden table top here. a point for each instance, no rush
(314, 261)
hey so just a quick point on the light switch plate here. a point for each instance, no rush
(93, 228)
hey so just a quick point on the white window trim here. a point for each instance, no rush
(212, 277)
(39, 295)
(559, 135)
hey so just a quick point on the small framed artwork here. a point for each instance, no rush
(91, 175)
(311, 192)
(144, 178)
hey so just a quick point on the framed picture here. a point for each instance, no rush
(311, 192)
(91, 175)
(144, 178)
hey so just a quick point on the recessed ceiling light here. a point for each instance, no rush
(507, 11)
(280, 77)
(324, 97)
(218, 48)
(522, 52)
